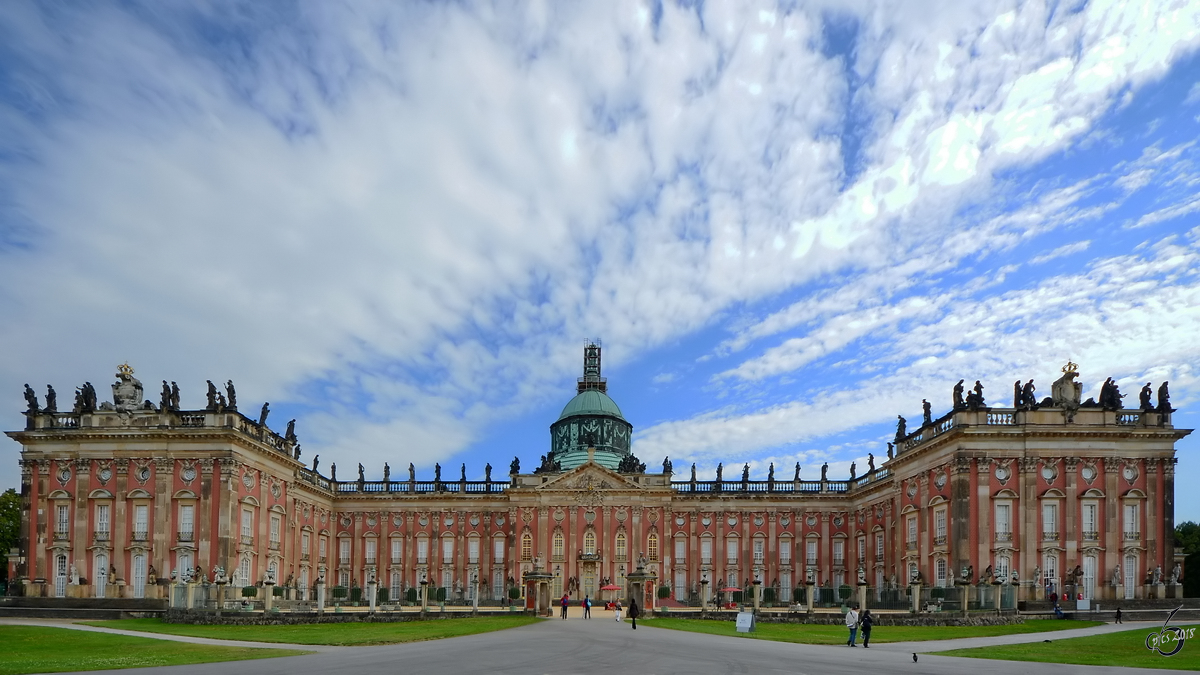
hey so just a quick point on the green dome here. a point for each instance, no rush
(591, 402)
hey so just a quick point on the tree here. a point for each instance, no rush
(1187, 537)
(10, 527)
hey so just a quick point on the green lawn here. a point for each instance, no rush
(1126, 649)
(37, 649)
(344, 634)
(813, 634)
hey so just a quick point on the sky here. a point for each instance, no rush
(788, 223)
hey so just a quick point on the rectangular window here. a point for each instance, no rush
(274, 531)
(706, 551)
(102, 520)
(939, 524)
(1132, 526)
(839, 552)
(652, 547)
(323, 548)
(760, 551)
(620, 548)
(397, 551)
(498, 550)
(785, 585)
(1089, 521)
(447, 550)
(394, 593)
(187, 522)
(912, 531)
(141, 525)
(785, 552)
(1050, 520)
(62, 522)
(879, 546)
(1002, 567)
(247, 523)
(344, 551)
(810, 553)
(344, 578)
(556, 549)
(1004, 519)
(473, 550)
(680, 550)
(862, 549)
(304, 541)
(940, 571)
(422, 551)
(731, 550)
(372, 551)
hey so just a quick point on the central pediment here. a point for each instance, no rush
(590, 477)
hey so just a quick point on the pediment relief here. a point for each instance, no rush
(590, 478)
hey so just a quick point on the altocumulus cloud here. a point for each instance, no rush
(398, 221)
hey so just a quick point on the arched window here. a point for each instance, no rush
(652, 546)
(527, 546)
(589, 542)
(557, 548)
(940, 571)
(621, 547)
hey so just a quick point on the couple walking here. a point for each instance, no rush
(854, 622)
(633, 612)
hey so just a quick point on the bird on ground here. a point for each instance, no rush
(914, 657)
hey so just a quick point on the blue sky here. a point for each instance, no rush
(788, 223)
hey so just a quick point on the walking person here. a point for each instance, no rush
(587, 607)
(866, 621)
(566, 600)
(852, 624)
(633, 612)
(617, 609)
(1119, 615)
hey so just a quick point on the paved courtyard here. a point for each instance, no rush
(602, 646)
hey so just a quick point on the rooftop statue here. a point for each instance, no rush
(1110, 395)
(212, 396)
(891, 450)
(262, 415)
(387, 473)
(296, 452)
(720, 467)
(1066, 393)
(771, 473)
(437, 473)
(51, 400)
(1028, 398)
(1164, 398)
(361, 475)
(853, 470)
(693, 472)
(797, 477)
(220, 402)
(127, 390)
(316, 461)
(667, 465)
(901, 428)
(870, 462)
(290, 434)
(412, 472)
(1018, 399)
(232, 394)
(463, 475)
(746, 473)
(1144, 398)
(333, 471)
(487, 472)
(926, 412)
(975, 397)
(825, 472)
(164, 401)
(958, 396)
(31, 400)
(514, 467)
(174, 396)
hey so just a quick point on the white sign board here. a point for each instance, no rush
(1083, 605)
(745, 622)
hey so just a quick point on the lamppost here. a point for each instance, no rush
(757, 588)
(475, 593)
(704, 594)
(424, 594)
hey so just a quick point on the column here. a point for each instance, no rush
(1029, 506)
(1111, 532)
(1071, 518)
(983, 496)
(1154, 556)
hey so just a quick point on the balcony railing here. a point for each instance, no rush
(911, 545)
(1091, 535)
(838, 561)
(343, 562)
(273, 545)
(99, 536)
(1050, 536)
(1003, 536)
(62, 536)
(185, 535)
(810, 561)
(140, 535)
(1133, 536)
(706, 561)
(304, 556)
(422, 560)
(247, 540)
(939, 540)
(370, 560)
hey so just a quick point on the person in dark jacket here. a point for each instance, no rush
(865, 623)
(633, 612)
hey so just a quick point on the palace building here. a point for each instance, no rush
(1060, 495)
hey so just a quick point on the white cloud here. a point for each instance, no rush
(1061, 251)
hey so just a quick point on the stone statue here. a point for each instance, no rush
(987, 575)
(151, 576)
(89, 398)
(870, 463)
(926, 412)
(127, 390)
(231, 394)
(853, 470)
(825, 472)
(437, 473)
(74, 575)
(1110, 395)
(361, 476)
(174, 396)
(1176, 574)
(514, 467)
(412, 472)
(771, 473)
(333, 471)
(1116, 579)
(891, 450)
(487, 472)
(1157, 574)
(270, 580)
(165, 398)
(901, 428)
(975, 397)
(1164, 399)
(1144, 398)
(387, 473)
(958, 396)
(316, 461)
(1066, 393)
(1029, 398)
(218, 574)
(1037, 572)
(51, 400)
(32, 401)
(719, 469)
(892, 581)
(1018, 399)
(463, 475)
(667, 465)
(212, 396)
(290, 434)
(797, 476)
(220, 401)
(262, 415)
(1077, 575)
(746, 473)
(810, 576)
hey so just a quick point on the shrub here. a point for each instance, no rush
(664, 591)
(768, 594)
(381, 595)
(937, 593)
(355, 594)
(249, 592)
(514, 593)
(800, 594)
(339, 592)
(844, 592)
(277, 592)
